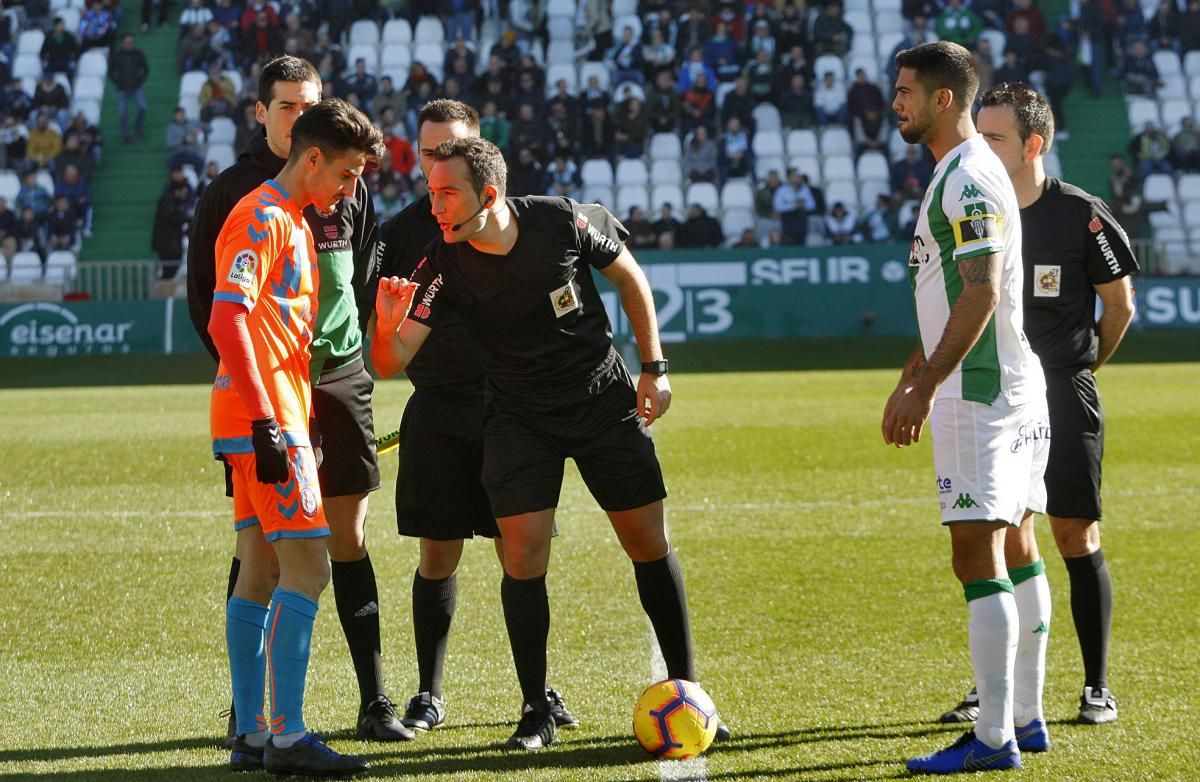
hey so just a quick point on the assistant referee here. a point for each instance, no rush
(1074, 251)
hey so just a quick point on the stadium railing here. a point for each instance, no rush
(115, 280)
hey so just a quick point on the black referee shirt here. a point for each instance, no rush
(1071, 243)
(449, 362)
(535, 311)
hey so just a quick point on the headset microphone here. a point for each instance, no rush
(483, 204)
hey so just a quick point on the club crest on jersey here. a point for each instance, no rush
(565, 299)
(241, 272)
(1095, 226)
(308, 502)
(1047, 281)
(979, 224)
(916, 252)
(581, 222)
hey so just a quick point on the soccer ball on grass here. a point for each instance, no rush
(674, 719)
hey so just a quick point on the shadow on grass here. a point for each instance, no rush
(603, 754)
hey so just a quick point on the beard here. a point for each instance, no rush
(916, 129)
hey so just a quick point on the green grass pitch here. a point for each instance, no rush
(828, 626)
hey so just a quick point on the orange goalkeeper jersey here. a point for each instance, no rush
(267, 262)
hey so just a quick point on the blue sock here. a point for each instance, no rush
(244, 625)
(289, 633)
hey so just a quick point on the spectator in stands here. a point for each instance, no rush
(16, 101)
(359, 82)
(1163, 29)
(389, 97)
(1035, 23)
(881, 224)
(864, 95)
(666, 227)
(193, 52)
(14, 138)
(764, 206)
(128, 69)
(841, 225)
(1021, 41)
(722, 54)
(629, 129)
(172, 215)
(1125, 189)
(918, 33)
(911, 174)
(50, 96)
(739, 103)
(959, 24)
(563, 123)
(658, 54)
(493, 126)
(218, 95)
(178, 127)
(1185, 146)
(692, 28)
(790, 29)
(526, 176)
(795, 104)
(529, 92)
(1130, 24)
(693, 69)
(189, 153)
(458, 16)
(164, 13)
(793, 61)
(594, 94)
(60, 50)
(459, 53)
(663, 104)
(8, 228)
(790, 209)
(221, 46)
(61, 226)
(45, 141)
(1095, 42)
(625, 60)
(700, 229)
(1189, 27)
(29, 234)
(247, 128)
(33, 196)
(1139, 72)
(869, 133)
(641, 233)
(1012, 69)
(250, 15)
(90, 139)
(195, 12)
(507, 50)
(563, 177)
(1151, 151)
(984, 63)
(263, 39)
(761, 39)
(229, 14)
(748, 239)
(330, 57)
(700, 156)
(598, 134)
(97, 26)
(761, 76)
(528, 132)
(661, 21)
(831, 34)
(829, 101)
(735, 158)
(1058, 59)
(698, 105)
(74, 155)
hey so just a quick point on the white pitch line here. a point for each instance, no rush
(692, 769)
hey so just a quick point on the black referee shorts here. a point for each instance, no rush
(438, 490)
(1076, 445)
(524, 454)
(342, 404)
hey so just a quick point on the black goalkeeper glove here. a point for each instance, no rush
(271, 462)
(314, 439)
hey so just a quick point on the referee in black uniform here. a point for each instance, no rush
(517, 271)
(345, 242)
(439, 495)
(1074, 252)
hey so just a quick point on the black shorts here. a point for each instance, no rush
(438, 490)
(524, 453)
(1076, 445)
(342, 404)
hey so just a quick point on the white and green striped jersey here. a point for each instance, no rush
(970, 210)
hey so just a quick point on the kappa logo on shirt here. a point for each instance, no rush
(243, 269)
(565, 300)
(1047, 281)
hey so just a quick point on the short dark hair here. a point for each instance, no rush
(285, 68)
(484, 160)
(943, 65)
(447, 110)
(334, 127)
(1031, 109)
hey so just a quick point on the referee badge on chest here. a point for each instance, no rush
(1047, 281)
(565, 300)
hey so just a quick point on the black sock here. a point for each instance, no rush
(234, 568)
(1091, 607)
(660, 586)
(527, 616)
(433, 604)
(357, 600)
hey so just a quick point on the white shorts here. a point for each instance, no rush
(990, 459)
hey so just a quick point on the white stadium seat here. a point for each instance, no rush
(221, 131)
(222, 154)
(767, 143)
(60, 267)
(666, 172)
(397, 32)
(809, 165)
(26, 268)
(364, 31)
(870, 189)
(429, 30)
(10, 185)
(599, 194)
(766, 117)
(631, 172)
(629, 196)
(1167, 63)
(836, 141)
(735, 221)
(596, 172)
(838, 167)
(764, 165)
(705, 194)
(1189, 187)
(872, 165)
(666, 194)
(1141, 111)
(737, 194)
(597, 69)
(801, 142)
(665, 146)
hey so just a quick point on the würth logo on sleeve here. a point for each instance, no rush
(1095, 226)
(421, 311)
(581, 222)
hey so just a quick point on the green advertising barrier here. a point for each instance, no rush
(741, 294)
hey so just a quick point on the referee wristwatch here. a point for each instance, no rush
(655, 367)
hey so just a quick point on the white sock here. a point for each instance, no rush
(1029, 677)
(285, 740)
(258, 738)
(992, 630)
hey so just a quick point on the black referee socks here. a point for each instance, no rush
(433, 605)
(1091, 608)
(660, 586)
(357, 599)
(527, 617)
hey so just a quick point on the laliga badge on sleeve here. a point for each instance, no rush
(1047, 281)
(243, 269)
